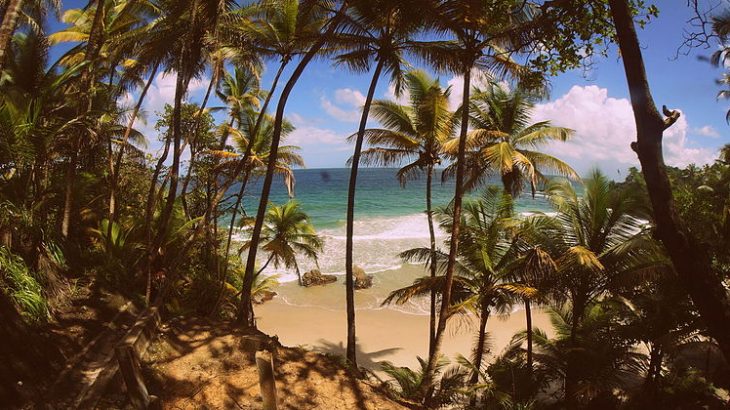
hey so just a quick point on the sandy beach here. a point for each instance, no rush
(383, 334)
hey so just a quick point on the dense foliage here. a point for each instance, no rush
(87, 197)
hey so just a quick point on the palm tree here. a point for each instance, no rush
(245, 315)
(377, 31)
(504, 141)
(14, 12)
(598, 244)
(481, 284)
(286, 233)
(482, 35)
(414, 134)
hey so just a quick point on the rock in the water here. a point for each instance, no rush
(362, 280)
(266, 296)
(315, 278)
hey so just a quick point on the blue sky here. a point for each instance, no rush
(325, 104)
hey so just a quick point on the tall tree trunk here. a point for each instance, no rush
(116, 169)
(691, 261)
(432, 236)
(349, 276)
(9, 21)
(149, 215)
(245, 314)
(180, 89)
(198, 121)
(87, 86)
(244, 161)
(427, 383)
(479, 348)
(528, 320)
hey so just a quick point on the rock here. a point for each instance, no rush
(315, 278)
(362, 280)
(265, 297)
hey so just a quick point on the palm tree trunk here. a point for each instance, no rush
(432, 235)
(198, 120)
(116, 169)
(245, 314)
(528, 320)
(244, 161)
(479, 348)
(9, 21)
(180, 89)
(88, 85)
(349, 277)
(691, 261)
(427, 384)
(149, 215)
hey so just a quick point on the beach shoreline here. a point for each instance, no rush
(384, 334)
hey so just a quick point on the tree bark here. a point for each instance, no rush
(245, 314)
(691, 262)
(349, 246)
(427, 383)
(116, 169)
(528, 320)
(479, 348)
(87, 86)
(9, 21)
(198, 120)
(432, 236)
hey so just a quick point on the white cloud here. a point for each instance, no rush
(478, 79)
(350, 97)
(309, 133)
(706, 131)
(404, 99)
(347, 106)
(339, 113)
(604, 129)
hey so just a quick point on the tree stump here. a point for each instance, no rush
(265, 364)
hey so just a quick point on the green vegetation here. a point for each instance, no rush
(635, 274)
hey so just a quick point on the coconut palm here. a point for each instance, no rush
(598, 245)
(13, 14)
(413, 134)
(377, 32)
(481, 283)
(503, 141)
(288, 232)
(479, 35)
(245, 314)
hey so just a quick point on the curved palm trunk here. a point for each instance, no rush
(116, 168)
(242, 190)
(528, 320)
(427, 383)
(180, 89)
(186, 181)
(88, 79)
(9, 21)
(691, 261)
(245, 314)
(432, 234)
(149, 214)
(349, 277)
(479, 348)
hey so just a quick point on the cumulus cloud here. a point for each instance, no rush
(347, 106)
(478, 80)
(404, 98)
(604, 129)
(309, 134)
(707, 131)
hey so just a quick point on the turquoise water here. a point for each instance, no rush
(323, 195)
(389, 219)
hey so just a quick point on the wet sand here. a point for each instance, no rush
(383, 334)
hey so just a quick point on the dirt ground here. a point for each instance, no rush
(198, 365)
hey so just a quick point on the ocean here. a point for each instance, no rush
(389, 219)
